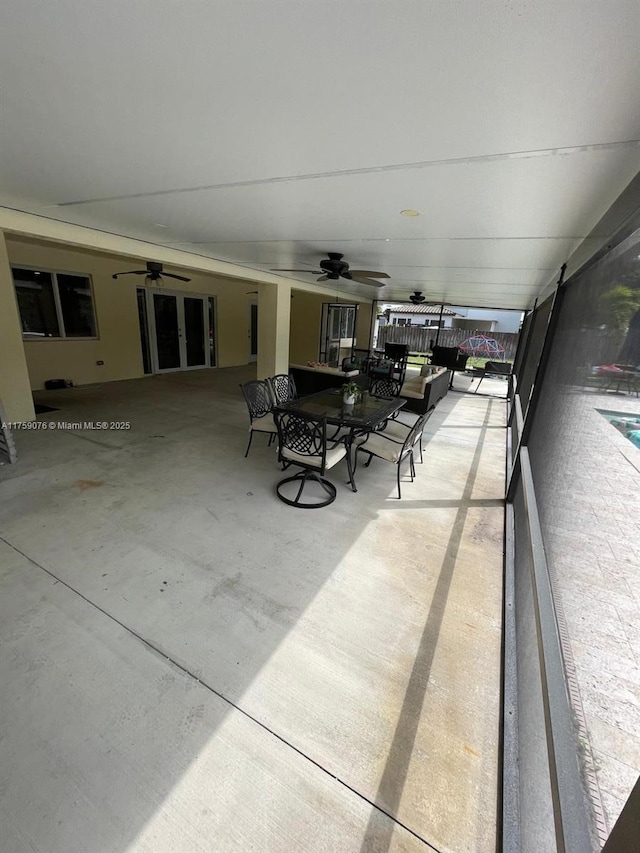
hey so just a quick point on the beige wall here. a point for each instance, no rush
(274, 318)
(118, 343)
(306, 314)
(363, 325)
(15, 392)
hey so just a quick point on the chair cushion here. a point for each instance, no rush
(385, 448)
(334, 455)
(395, 431)
(415, 388)
(264, 424)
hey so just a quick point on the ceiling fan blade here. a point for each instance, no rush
(173, 275)
(131, 272)
(363, 280)
(323, 278)
(370, 273)
(313, 272)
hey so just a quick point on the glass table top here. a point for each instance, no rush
(367, 411)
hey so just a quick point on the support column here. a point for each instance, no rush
(15, 388)
(274, 312)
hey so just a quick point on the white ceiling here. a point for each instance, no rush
(267, 133)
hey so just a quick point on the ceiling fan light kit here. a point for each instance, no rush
(334, 268)
(416, 297)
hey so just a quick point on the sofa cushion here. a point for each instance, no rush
(428, 370)
(332, 371)
(415, 387)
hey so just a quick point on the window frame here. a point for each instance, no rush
(63, 336)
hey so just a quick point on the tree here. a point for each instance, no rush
(619, 305)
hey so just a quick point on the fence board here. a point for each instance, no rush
(418, 338)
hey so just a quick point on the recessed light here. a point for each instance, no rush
(410, 212)
(387, 239)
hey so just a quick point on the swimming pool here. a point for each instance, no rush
(626, 423)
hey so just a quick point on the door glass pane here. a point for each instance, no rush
(165, 309)
(144, 334)
(212, 333)
(254, 330)
(36, 304)
(194, 331)
(335, 323)
(77, 306)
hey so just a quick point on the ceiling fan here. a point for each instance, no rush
(153, 272)
(335, 268)
(416, 297)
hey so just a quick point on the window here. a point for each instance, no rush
(54, 305)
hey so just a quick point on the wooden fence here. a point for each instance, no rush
(418, 338)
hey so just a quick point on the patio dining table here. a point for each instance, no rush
(367, 413)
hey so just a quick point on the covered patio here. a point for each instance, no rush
(209, 669)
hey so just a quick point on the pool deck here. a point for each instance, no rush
(592, 539)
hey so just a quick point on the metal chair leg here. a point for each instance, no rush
(350, 469)
(249, 445)
(302, 485)
(399, 493)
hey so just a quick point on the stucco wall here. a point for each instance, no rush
(304, 339)
(306, 315)
(118, 342)
(15, 393)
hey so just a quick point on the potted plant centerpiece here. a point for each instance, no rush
(350, 393)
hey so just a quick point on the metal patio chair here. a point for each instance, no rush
(302, 441)
(259, 399)
(398, 431)
(391, 450)
(385, 387)
(283, 388)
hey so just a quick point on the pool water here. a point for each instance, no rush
(626, 423)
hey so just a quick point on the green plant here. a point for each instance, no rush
(351, 389)
(619, 304)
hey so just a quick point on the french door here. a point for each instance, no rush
(179, 330)
(337, 332)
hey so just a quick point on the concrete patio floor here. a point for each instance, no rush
(190, 665)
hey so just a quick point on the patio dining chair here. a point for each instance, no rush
(398, 431)
(390, 450)
(302, 441)
(283, 388)
(259, 400)
(385, 387)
